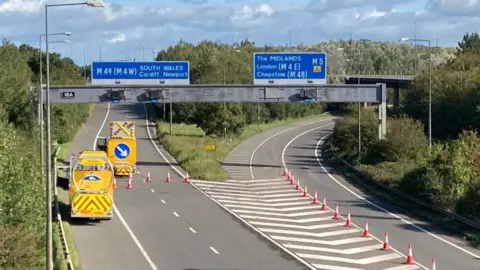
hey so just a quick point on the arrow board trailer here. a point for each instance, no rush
(290, 68)
(141, 73)
(123, 155)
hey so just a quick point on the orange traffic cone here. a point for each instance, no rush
(348, 222)
(292, 179)
(168, 179)
(187, 178)
(148, 177)
(297, 187)
(410, 255)
(305, 192)
(385, 244)
(114, 182)
(129, 185)
(285, 172)
(315, 198)
(289, 176)
(324, 204)
(433, 265)
(336, 214)
(365, 231)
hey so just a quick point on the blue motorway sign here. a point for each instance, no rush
(121, 151)
(140, 72)
(91, 177)
(290, 67)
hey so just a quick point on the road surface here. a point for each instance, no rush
(274, 207)
(162, 225)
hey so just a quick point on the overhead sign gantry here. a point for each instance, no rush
(278, 77)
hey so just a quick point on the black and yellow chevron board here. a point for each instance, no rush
(92, 204)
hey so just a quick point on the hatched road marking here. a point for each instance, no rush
(274, 207)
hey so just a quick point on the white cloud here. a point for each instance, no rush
(122, 27)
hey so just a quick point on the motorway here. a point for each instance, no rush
(158, 225)
(262, 197)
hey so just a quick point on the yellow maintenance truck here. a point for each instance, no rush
(121, 147)
(91, 185)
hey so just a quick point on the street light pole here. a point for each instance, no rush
(429, 86)
(48, 180)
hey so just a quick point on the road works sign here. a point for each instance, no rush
(290, 68)
(157, 72)
(122, 130)
(121, 151)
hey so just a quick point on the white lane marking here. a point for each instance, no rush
(334, 267)
(300, 227)
(176, 214)
(319, 235)
(163, 201)
(241, 184)
(220, 204)
(256, 193)
(153, 191)
(385, 210)
(248, 188)
(322, 242)
(119, 215)
(403, 267)
(275, 135)
(253, 196)
(214, 250)
(349, 251)
(316, 147)
(369, 260)
(192, 230)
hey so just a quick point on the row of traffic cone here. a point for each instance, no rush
(149, 179)
(348, 222)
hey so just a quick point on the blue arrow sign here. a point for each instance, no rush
(290, 68)
(121, 151)
(91, 177)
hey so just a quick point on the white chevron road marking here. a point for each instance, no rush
(259, 199)
(322, 242)
(251, 192)
(247, 188)
(305, 220)
(349, 251)
(258, 180)
(369, 260)
(274, 209)
(301, 214)
(404, 267)
(319, 235)
(305, 202)
(334, 267)
(271, 184)
(300, 227)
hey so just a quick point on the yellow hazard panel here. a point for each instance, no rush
(122, 151)
(92, 204)
(93, 179)
(123, 170)
(122, 130)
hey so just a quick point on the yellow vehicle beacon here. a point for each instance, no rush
(91, 185)
(121, 147)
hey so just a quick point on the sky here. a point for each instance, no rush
(132, 29)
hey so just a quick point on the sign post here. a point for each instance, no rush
(290, 68)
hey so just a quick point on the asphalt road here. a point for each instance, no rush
(278, 210)
(165, 225)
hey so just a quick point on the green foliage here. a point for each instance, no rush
(22, 196)
(448, 175)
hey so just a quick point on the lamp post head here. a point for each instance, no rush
(404, 39)
(65, 41)
(97, 4)
(67, 33)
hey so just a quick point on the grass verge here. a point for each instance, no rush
(370, 185)
(187, 142)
